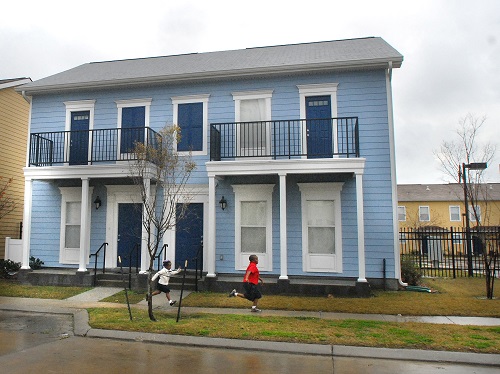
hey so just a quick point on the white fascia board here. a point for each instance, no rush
(15, 83)
(299, 166)
(76, 172)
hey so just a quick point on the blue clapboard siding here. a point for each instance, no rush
(360, 93)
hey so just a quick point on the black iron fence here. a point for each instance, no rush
(87, 146)
(443, 252)
(318, 138)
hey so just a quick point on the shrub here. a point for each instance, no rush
(8, 268)
(410, 272)
(35, 263)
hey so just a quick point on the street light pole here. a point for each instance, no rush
(468, 243)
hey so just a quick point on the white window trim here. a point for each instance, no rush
(238, 97)
(77, 106)
(451, 214)
(322, 191)
(404, 209)
(472, 217)
(420, 213)
(70, 194)
(120, 104)
(254, 192)
(193, 99)
(321, 89)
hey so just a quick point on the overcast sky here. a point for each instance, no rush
(451, 51)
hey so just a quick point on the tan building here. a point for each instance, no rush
(442, 205)
(14, 119)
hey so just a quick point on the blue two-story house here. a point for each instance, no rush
(294, 147)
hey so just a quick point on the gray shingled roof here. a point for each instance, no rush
(442, 192)
(352, 53)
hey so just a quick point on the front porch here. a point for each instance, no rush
(310, 286)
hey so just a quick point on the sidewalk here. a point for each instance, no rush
(76, 306)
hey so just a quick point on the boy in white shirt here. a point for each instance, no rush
(164, 275)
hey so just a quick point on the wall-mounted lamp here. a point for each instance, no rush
(97, 202)
(223, 203)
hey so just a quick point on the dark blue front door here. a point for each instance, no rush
(319, 127)
(79, 138)
(189, 236)
(129, 234)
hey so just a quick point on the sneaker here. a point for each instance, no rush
(233, 293)
(256, 310)
(172, 302)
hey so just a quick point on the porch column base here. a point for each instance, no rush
(363, 288)
(283, 285)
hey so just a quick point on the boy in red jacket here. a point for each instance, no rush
(250, 282)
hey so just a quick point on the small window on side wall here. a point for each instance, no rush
(424, 214)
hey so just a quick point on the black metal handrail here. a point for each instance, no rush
(198, 264)
(159, 256)
(136, 248)
(280, 139)
(88, 146)
(96, 254)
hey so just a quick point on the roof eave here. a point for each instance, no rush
(210, 75)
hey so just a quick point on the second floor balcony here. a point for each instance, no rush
(285, 139)
(279, 139)
(87, 147)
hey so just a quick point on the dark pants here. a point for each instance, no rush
(251, 291)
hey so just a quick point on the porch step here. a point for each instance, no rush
(113, 279)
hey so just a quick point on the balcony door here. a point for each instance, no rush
(79, 137)
(319, 129)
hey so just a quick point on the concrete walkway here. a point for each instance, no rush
(77, 307)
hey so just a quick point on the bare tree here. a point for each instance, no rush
(7, 204)
(454, 156)
(158, 162)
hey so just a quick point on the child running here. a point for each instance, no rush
(162, 286)
(250, 282)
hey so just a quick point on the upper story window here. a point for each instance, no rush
(424, 214)
(401, 213)
(191, 115)
(133, 118)
(455, 213)
(254, 109)
(473, 214)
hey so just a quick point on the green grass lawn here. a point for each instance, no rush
(459, 297)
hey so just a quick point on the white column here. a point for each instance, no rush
(84, 227)
(28, 203)
(210, 252)
(283, 236)
(144, 234)
(361, 228)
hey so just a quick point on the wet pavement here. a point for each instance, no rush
(53, 336)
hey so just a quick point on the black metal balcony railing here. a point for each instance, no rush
(87, 146)
(312, 138)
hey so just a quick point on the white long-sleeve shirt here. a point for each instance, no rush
(164, 275)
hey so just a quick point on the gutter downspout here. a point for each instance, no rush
(27, 98)
(390, 118)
